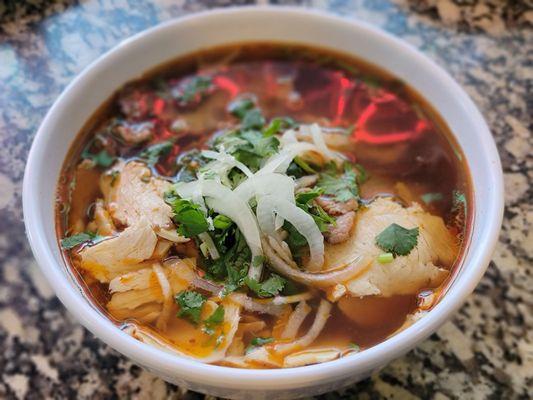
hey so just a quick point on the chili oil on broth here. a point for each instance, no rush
(403, 143)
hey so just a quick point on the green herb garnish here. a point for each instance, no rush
(385, 258)
(241, 106)
(101, 159)
(189, 217)
(261, 341)
(258, 342)
(193, 89)
(222, 222)
(214, 320)
(269, 288)
(190, 304)
(342, 187)
(79, 238)
(397, 240)
(153, 153)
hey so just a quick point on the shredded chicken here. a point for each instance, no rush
(123, 253)
(137, 294)
(133, 193)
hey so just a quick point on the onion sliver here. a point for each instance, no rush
(228, 160)
(321, 279)
(279, 185)
(281, 161)
(224, 201)
(318, 139)
(304, 224)
(211, 248)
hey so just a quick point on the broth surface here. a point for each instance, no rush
(403, 144)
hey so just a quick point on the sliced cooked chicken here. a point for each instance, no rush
(141, 295)
(424, 266)
(132, 192)
(120, 254)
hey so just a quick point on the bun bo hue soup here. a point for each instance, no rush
(264, 206)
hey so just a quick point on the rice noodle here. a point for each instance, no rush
(228, 160)
(166, 290)
(250, 304)
(322, 315)
(296, 320)
(321, 279)
(318, 139)
(295, 298)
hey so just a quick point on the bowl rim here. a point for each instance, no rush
(273, 379)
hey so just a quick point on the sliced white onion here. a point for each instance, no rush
(211, 248)
(319, 141)
(322, 279)
(267, 184)
(289, 136)
(228, 160)
(304, 224)
(281, 161)
(224, 201)
(266, 218)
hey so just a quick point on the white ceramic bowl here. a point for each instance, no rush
(154, 46)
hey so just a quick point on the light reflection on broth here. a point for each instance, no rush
(371, 118)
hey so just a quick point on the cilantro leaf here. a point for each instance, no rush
(397, 240)
(322, 219)
(269, 288)
(214, 320)
(241, 106)
(260, 341)
(100, 159)
(253, 119)
(277, 124)
(189, 217)
(257, 342)
(193, 89)
(304, 165)
(153, 153)
(342, 187)
(72, 241)
(190, 304)
(222, 222)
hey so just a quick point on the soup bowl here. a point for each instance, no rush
(172, 39)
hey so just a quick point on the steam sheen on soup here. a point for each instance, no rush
(264, 206)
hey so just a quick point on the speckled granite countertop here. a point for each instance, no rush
(485, 351)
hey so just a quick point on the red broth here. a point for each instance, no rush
(397, 136)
